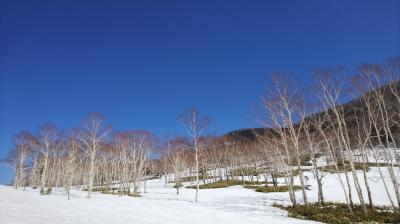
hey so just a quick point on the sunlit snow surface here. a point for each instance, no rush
(161, 205)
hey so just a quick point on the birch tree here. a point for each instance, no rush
(71, 163)
(45, 144)
(22, 147)
(176, 151)
(285, 111)
(92, 137)
(195, 126)
(331, 95)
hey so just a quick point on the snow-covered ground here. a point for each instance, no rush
(161, 205)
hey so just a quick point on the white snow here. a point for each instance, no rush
(161, 205)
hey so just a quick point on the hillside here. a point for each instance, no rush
(161, 205)
(351, 110)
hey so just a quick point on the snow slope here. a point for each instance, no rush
(162, 205)
(334, 192)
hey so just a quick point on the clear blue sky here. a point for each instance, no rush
(142, 63)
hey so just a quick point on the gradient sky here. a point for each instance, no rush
(141, 63)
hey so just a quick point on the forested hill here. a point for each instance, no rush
(351, 110)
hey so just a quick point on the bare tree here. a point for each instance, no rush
(92, 136)
(382, 105)
(71, 162)
(285, 110)
(176, 152)
(45, 144)
(331, 96)
(22, 142)
(314, 143)
(195, 126)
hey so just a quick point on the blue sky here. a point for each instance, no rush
(141, 63)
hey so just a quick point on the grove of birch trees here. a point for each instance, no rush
(342, 124)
